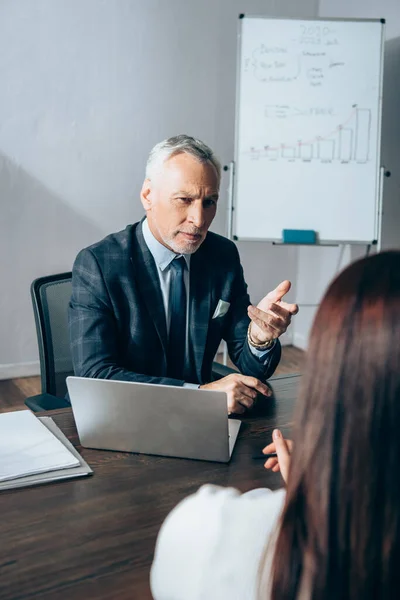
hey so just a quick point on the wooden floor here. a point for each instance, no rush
(14, 391)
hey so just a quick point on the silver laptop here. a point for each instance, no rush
(152, 419)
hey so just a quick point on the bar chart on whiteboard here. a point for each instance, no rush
(307, 150)
(348, 141)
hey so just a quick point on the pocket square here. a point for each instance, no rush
(222, 309)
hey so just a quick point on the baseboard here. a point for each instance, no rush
(300, 341)
(15, 370)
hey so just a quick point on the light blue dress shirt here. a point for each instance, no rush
(163, 258)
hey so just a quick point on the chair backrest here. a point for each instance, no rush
(50, 298)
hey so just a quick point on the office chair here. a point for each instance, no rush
(50, 297)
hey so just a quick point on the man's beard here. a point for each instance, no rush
(182, 246)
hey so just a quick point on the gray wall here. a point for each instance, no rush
(317, 266)
(88, 86)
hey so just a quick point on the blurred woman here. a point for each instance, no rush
(335, 532)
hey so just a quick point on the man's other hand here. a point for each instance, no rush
(241, 390)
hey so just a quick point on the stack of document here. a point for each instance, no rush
(34, 450)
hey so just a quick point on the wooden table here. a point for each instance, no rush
(93, 538)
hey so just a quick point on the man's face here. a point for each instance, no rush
(181, 202)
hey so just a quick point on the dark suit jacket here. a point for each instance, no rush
(117, 317)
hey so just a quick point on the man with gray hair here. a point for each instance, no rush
(152, 303)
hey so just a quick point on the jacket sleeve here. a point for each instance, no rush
(235, 333)
(93, 327)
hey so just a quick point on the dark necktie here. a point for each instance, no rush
(177, 327)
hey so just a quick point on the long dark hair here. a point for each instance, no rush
(339, 535)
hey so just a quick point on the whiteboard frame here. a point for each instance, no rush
(380, 168)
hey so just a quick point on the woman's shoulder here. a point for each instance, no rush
(217, 501)
(213, 532)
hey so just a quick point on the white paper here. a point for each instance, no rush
(39, 478)
(28, 447)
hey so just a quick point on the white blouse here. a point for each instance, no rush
(211, 545)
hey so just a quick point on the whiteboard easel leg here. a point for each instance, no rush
(380, 210)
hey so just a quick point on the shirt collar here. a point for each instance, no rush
(162, 256)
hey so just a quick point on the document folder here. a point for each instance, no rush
(31, 462)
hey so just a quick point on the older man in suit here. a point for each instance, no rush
(151, 303)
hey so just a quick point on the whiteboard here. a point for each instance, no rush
(307, 131)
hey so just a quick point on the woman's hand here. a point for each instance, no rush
(283, 449)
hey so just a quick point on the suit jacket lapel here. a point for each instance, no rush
(149, 284)
(200, 303)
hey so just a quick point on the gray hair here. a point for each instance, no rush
(177, 145)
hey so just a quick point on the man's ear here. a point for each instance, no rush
(146, 194)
